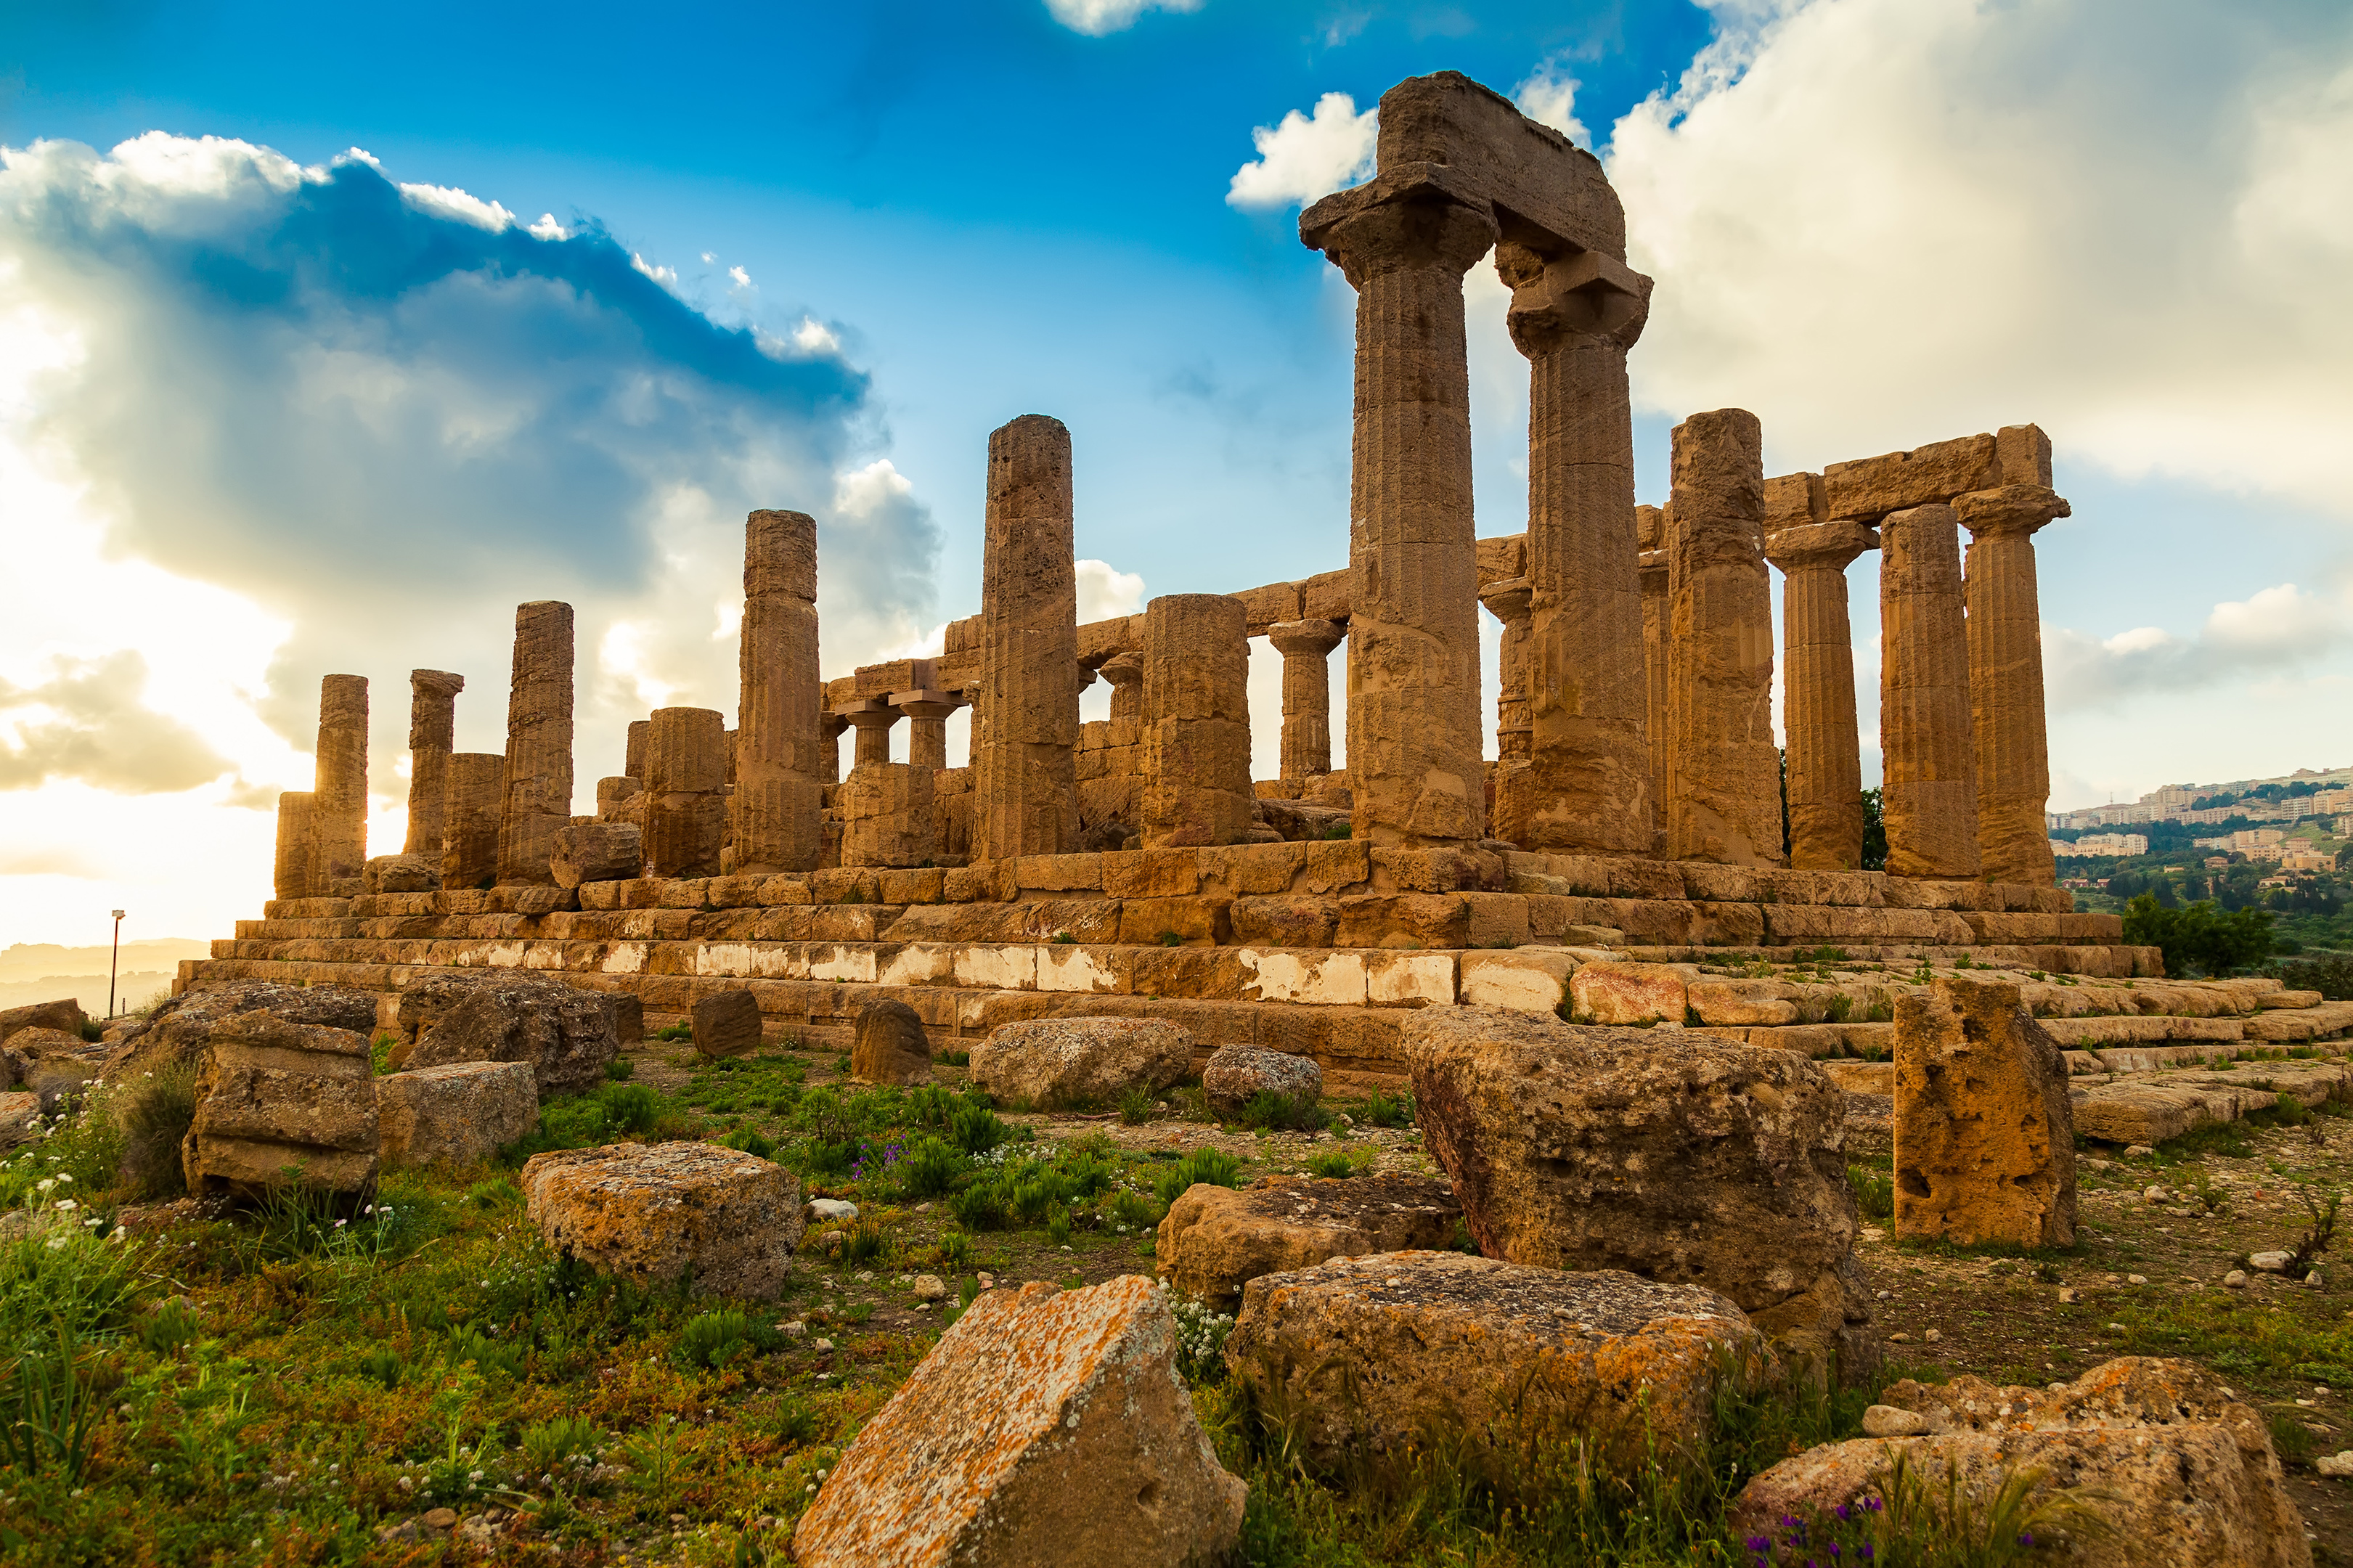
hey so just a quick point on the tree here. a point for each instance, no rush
(1874, 832)
(2197, 937)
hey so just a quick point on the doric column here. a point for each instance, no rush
(1929, 800)
(1724, 788)
(432, 736)
(829, 727)
(539, 743)
(1414, 752)
(477, 801)
(339, 805)
(1825, 755)
(927, 713)
(1125, 673)
(779, 767)
(292, 875)
(873, 722)
(2005, 622)
(1306, 648)
(1508, 601)
(1196, 740)
(1025, 767)
(634, 766)
(1650, 529)
(1588, 786)
(686, 774)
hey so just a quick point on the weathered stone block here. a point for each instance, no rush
(724, 1221)
(1081, 1061)
(597, 852)
(1985, 1137)
(890, 1046)
(567, 1035)
(1630, 993)
(279, 1104)
(456, 1114)
(727, 1024)
(1236, 1074)
(1215, 1240)
(65, 1016)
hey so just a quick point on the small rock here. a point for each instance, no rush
(2269, 1262)
(930, 1288)
(826, 1210)
(2136, 1279)
(820, 1345)
(2137, 1151)
(441, 1519)
(2339, 1463)
(1899, 1338)
(2154, 1195)
(1932, 1336)
(796, 1328)
(2236, 1280)
(2313, 1279)
(2068, 1295)
(1887, 1421)
(2095, 1164)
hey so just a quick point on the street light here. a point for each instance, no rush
(114, 963)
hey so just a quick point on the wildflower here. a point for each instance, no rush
(63, 1177)
(64, 1204)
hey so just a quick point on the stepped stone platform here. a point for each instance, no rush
(1314, 948)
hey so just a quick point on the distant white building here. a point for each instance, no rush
(2102, 844)
(2246, 841)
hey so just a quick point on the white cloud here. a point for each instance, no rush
(2272, 631)
(665, 276)
(813, 336)
(1880, 222)
(447, 201)
(1106, 592)
(743, 278)
(548, 228)
(1548, 98)
(1308, 155)
(1098, 18)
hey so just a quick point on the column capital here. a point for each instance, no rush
(926, 704)
(829, 726)
(2018, 510)
(1508, 599)
(871, 715)
(1556, 299)
(446, 682)
(1823, 546)
(1122, 668)
(1316, 637)
(1410, 218)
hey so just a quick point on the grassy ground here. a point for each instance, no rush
(284, 1388)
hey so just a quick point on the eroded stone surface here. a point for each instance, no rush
(722, 1221)
(454, 1114)
(2189, 1474)
(1217, 1239)
(1381, 1353)
(727, 1024)
(566, 1036)
(65, 1016)
(176, 1031)
(280, 1103)
(1235, 1074)
(1672, 1154)
(1985, 1138)
(1045, 1427)
(890, 1046)
(1055, 1062)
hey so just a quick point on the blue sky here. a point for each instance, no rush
(267, 409)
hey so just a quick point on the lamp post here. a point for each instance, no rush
(113, 963)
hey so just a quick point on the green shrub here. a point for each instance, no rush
(1269, 1109)
(386, 1367)
(980, 1206)
(1058, 1227)
(978, 1130)
(172, 1324)
(749, 1140)
(1201, 1165)
(1873, 1193)
(1381, 1111)
(955, 1059)
(566, 1441)
(487, 1354)
(931, 1170)
(714, 1339)
(1333, 1163)
(679, 1031)
(620, 1069)
(632, 1106)
(954, 1249)
(1138, 1106)
(2197, 937)
(154, 1113)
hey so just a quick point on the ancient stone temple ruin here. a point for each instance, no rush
(1631, 813)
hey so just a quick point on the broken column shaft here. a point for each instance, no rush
(2005, 629)
(469, 838)
(1196, 740)
(1025, 741)
(432, 736)
(539, 743)
(1507, 600)
(1929, 800)
(291, 874)
(339, 803)
(1724, 788)
(780, 769)
(686, 778)
(1650, 529)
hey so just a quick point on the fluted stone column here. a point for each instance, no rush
(339, 805)
(1196, 740)
(874, 723)
(927, 726)
(686, 776)
(1306, 649)
(1508, 601)
(1125, 673)
(829, 727)
(539, 743)
(634, 766)
(1025, 764)
(477, 802)
(1414, 751)
(1818, 716)
(290, 877)
(1650, 529)
(1586, 789)
(432, 736)
(1929, 800)
(1723, 789)
(779, 767)
(2005, 630)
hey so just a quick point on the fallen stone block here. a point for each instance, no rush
(1236, 1075)
(64, 1015)
(282, 1104)
(724, 1221)
(1669, 1155)
(176, 1031)
(567, 1035)
(454, 1114)
(890, 1046)
(588, 852)
(401, 874)
(1061, 1062)
(1215, 1240)
(1045, 1427)
(727, 1024)
(53, 1064)
(2185, 1474)
(1494, 1364)
(1985, 1135)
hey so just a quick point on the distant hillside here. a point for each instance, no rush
(45, 970)
(132, 990)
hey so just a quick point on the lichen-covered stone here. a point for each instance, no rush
(454, 1114)
(1053, 1062)
(722, 1221)
(51, 1064)
(727, 1024)
(2188, 1475)
(1238, 1074)
(177, 1030)
(1045, 1427)
(504, 1015)
(1215, 1240)
(1985, 1137)
(1673, 1155)
(1502, 1362)
(280, 1104)
(890, 1046)
(18, 1112)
